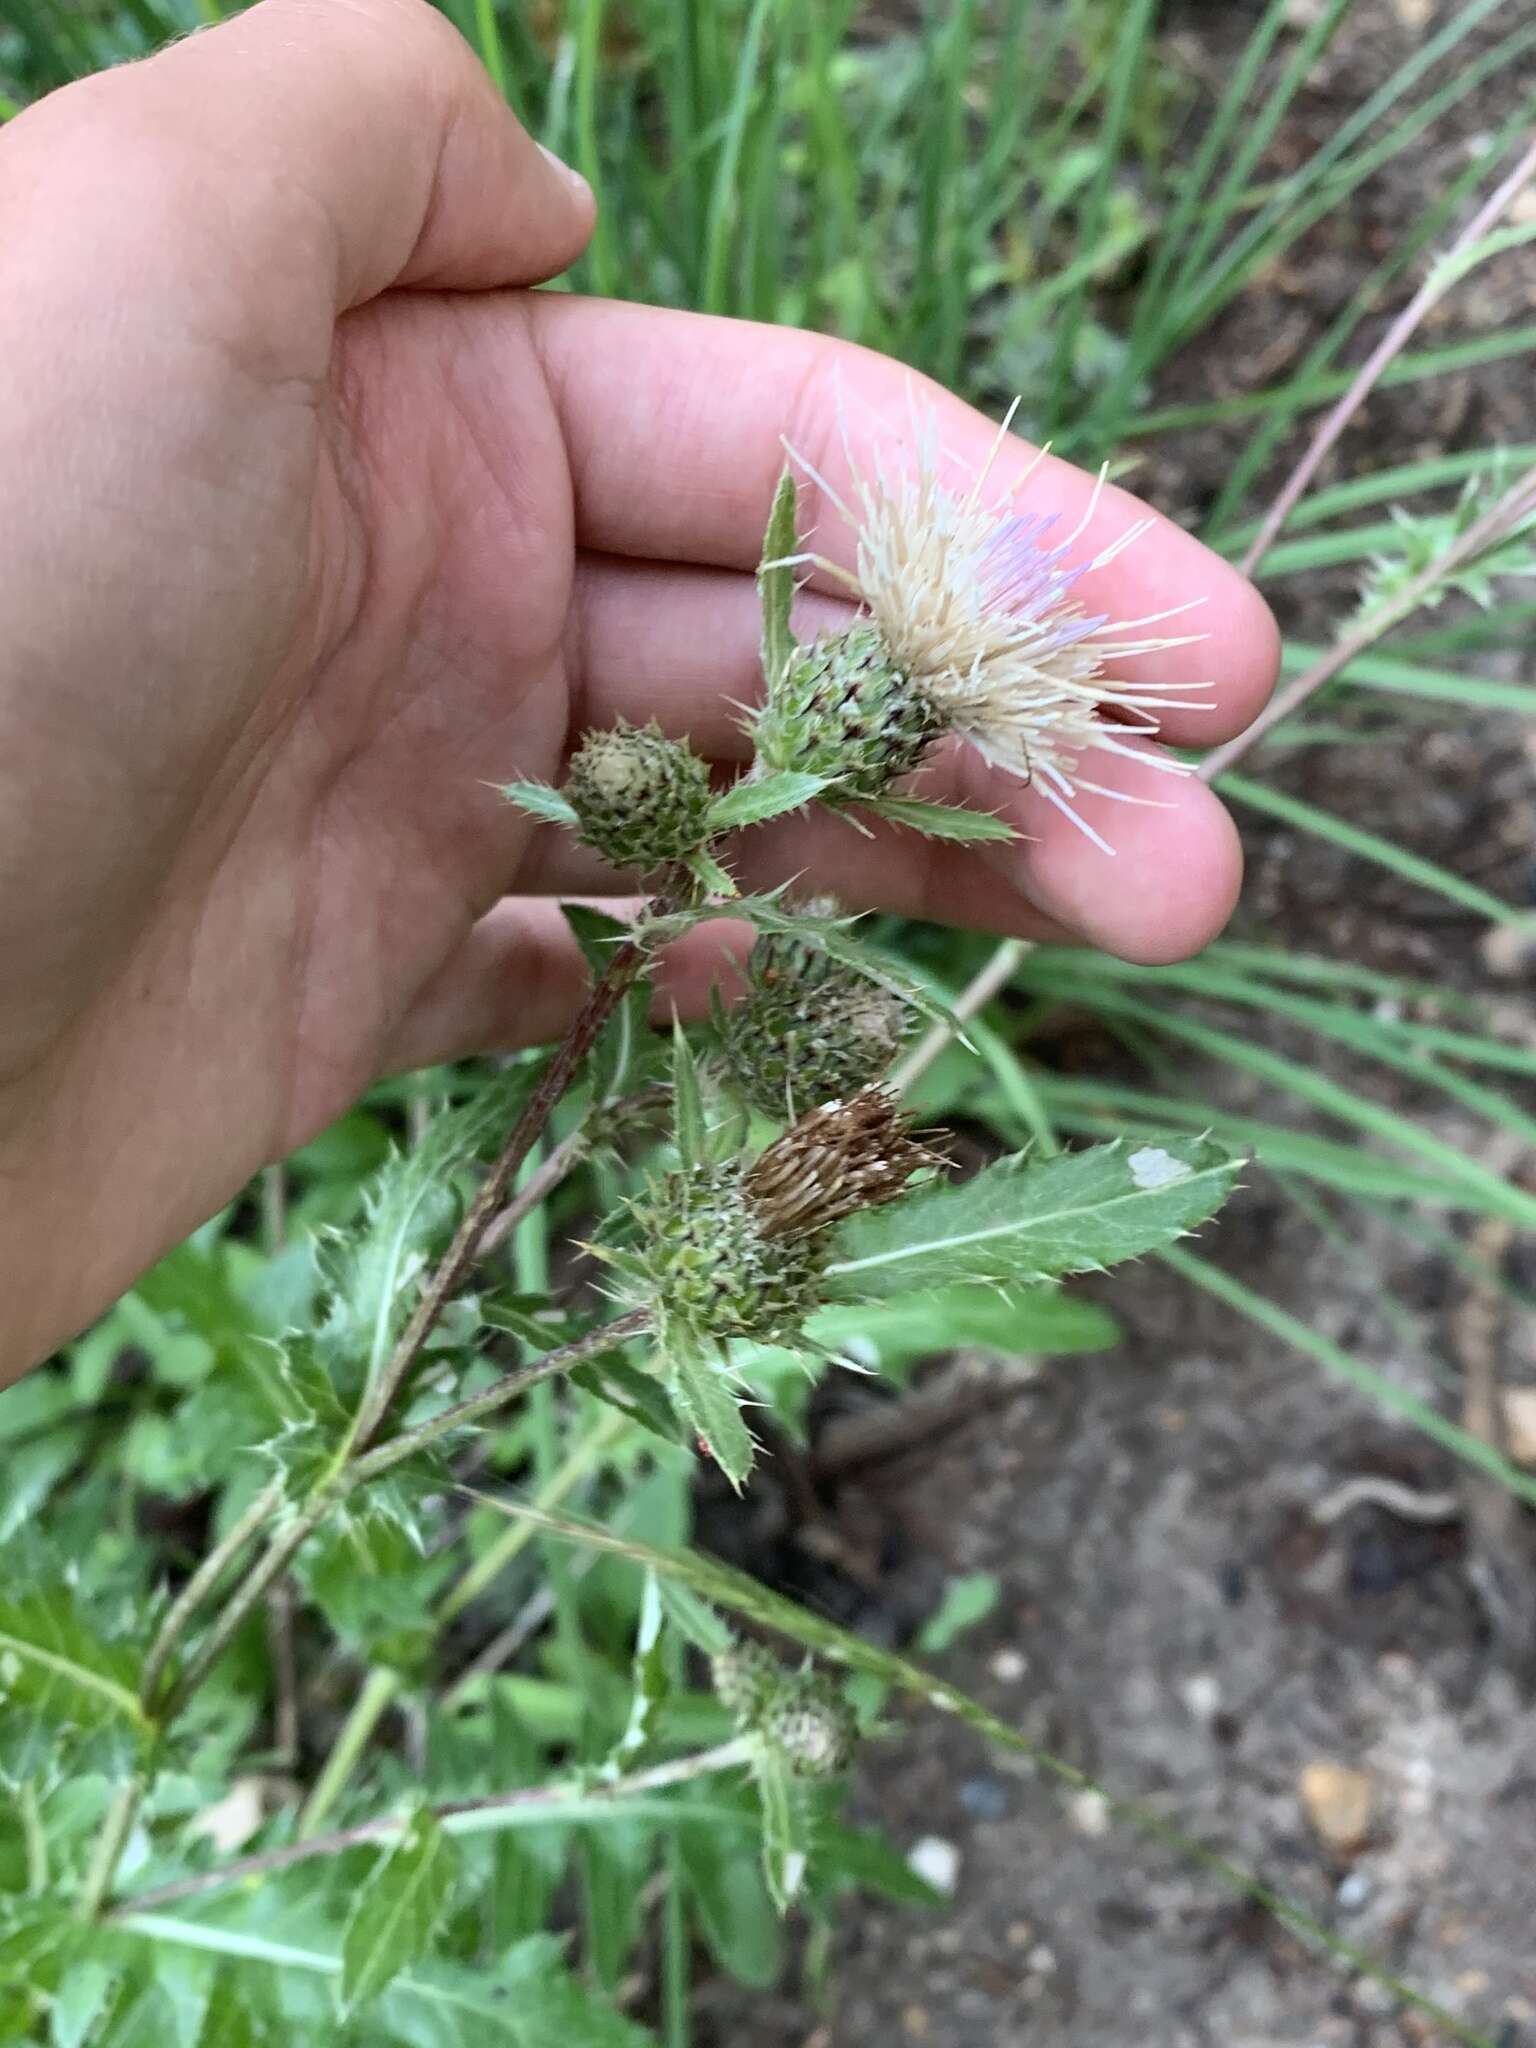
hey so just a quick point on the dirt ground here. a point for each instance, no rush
(1192, 1609)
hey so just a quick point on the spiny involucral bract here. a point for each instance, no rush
(807, 1030)
(642, 799)
(973, 605)
(844, 709)
(710, 1266)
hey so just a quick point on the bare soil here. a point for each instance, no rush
(1191, 1610)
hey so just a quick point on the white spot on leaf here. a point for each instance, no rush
(1152, 1167)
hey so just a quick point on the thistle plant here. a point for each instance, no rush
(774, 1185)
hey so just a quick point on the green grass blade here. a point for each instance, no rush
(1136, 20)
(1489, 1190)
(1412, 867)
(1462, 1445)
(1409, 368)
(1385, 487)
(1393, 676)
(724, 197)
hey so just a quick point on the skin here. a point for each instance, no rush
(314, 522)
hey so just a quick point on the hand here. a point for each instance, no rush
(312, 525)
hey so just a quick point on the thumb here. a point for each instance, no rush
(360, 136)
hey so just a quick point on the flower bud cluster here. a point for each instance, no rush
(799, 1715)
(737, 1250)
(807, 1030)
(642, 800)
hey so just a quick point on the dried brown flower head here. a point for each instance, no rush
(839, 1158)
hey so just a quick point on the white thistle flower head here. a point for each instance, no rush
(975, 602)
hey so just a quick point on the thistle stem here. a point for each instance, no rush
(1441, 277)
(1496, 524)
(477, 1406)
(458, 1817)
(34, 1836)
(607, 993)
(282, 1549)
(200, 1585)
(116, 1827)
(375, 1694)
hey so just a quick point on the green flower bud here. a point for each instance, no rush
(747, 1679)
(812, 1727)
(843, 709)
(711, 1265)
(642, 800)
(808, 1030)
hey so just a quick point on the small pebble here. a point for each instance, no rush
(1520, 1424)
(1009, 1666)
(1201, 1694)
(1337, 1802)
(936, 1862)
(1090, 1814)
(1354, 1891)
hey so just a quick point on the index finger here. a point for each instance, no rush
(675, 425)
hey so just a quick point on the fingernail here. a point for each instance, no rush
(571, 177)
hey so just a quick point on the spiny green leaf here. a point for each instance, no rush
(526, 1999)
(786, 1828)
(540, 801)
(596, 933)
(704, 1395)
(634, 1393)
(229, 2022)
(688, 1127)
(756, 798)
(730, 1903)
(711, 877)
(42, 1942)
(938, 821)
(776, 577)
(59, 1677)
(1021, 1221)
(140, 2015)
(408, 1211)
(398, 1910)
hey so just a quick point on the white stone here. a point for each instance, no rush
(936, 1862)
